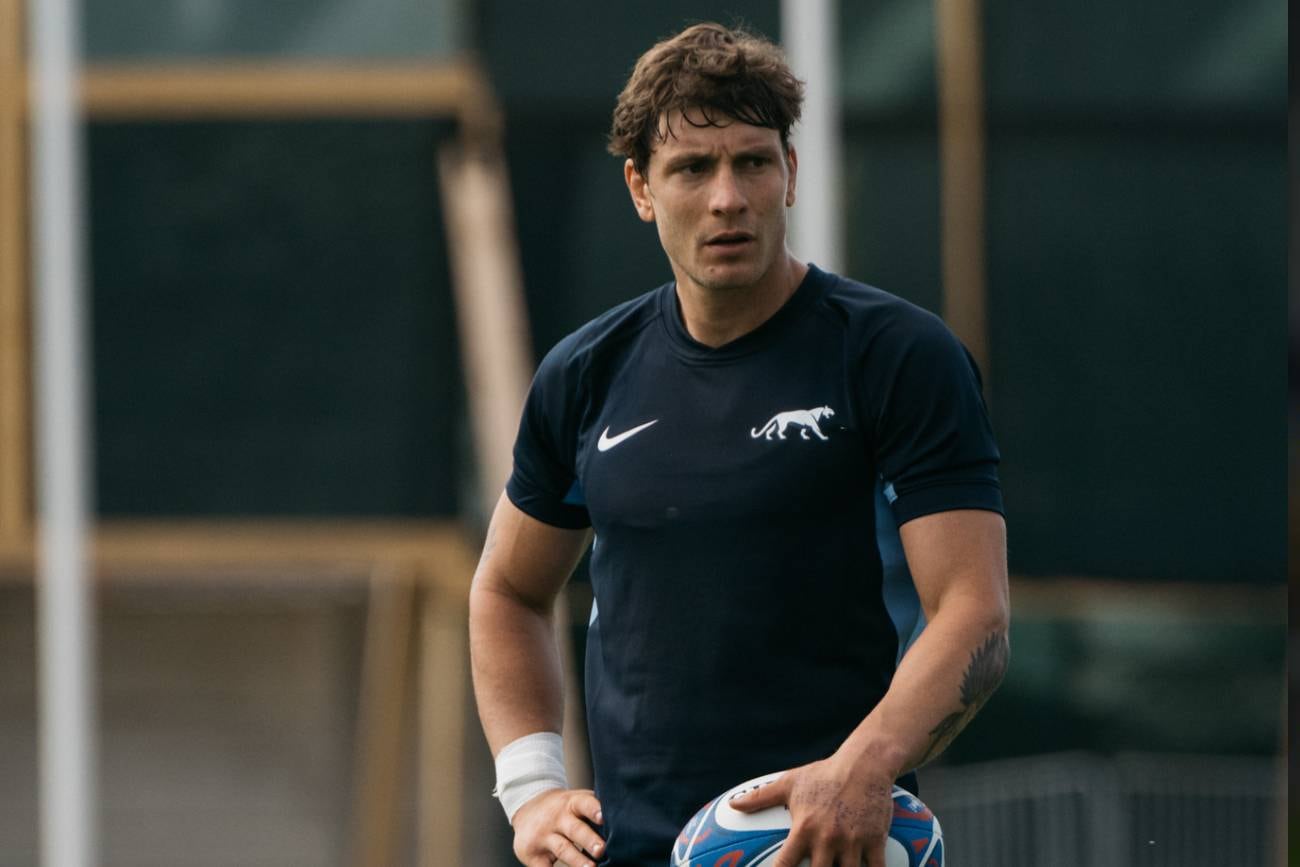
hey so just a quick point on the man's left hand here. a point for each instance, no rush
(837, 819)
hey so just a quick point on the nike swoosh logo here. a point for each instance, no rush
(607, 442)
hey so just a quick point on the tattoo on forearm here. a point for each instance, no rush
(988, 663)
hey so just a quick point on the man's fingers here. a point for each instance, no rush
(792, 852)
(803, 850)
(857, 856)
(588, 807)
(581, 834)
(564, 850)
(874, 856)
(823, 853)
(774, 793)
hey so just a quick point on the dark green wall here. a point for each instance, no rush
(1137, 270)
(1135, 246)
(272, 321)
(273, 324)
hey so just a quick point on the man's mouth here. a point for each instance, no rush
(729, 240)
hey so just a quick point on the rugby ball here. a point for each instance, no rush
(721, 836)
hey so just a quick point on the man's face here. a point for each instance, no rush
(718, 195)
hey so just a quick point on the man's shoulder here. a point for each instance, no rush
(869, 307)
(622, 319)
(610, 329)
(888, 329)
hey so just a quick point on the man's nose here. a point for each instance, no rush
(726, 195)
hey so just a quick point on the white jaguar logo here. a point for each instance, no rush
(804, 419)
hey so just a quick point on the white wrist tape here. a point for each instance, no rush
(527, 767)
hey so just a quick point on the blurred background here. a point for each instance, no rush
(327, 241)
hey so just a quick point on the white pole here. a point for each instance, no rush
(65, 623)
(808, 32)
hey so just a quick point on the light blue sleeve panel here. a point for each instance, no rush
(897, 587)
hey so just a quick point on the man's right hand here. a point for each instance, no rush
(554, 827)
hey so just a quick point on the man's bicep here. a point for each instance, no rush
(959, 554)
(526, 558)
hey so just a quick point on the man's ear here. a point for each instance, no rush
(792, 163)
(640, 190)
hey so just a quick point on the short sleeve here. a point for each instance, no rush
(934, 446)
(543, 482)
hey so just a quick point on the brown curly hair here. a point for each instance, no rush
(726, 73)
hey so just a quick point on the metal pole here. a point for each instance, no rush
(816, 232)
(65, 625)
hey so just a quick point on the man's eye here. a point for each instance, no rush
(694, 168)
(756, 162)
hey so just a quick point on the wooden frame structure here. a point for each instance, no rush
(186, 91)
(15, 472)
(244, 90)
(959, 59)
(416, 643)
(416, 647)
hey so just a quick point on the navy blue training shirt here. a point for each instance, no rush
(751, 595)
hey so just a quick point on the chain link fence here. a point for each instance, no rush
(1128, 810)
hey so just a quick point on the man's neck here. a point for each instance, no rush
(715, 317)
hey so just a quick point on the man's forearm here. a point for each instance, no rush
(516, 667)
(987, 664)
(941, 683)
